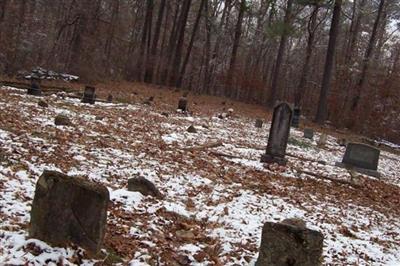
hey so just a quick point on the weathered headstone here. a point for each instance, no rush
(144, 186)
(35, 88)
(278, 135)
(69, 209)
(323, 138)
(362, 158)
(182, 104)
(89, 95)
(296, 117)
(284, 244)
(308, 133)
(259, 123)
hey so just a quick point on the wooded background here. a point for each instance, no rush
(337, 60)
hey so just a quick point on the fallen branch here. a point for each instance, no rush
(305, 159)
(205, 146)
(220, 154)
(343, 182)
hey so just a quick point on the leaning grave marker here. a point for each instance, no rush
(362, 158)
(278, 135)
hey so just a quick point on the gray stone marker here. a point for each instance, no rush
(89, 95)
(323, 138)
(296, 117)
(69, 209)
(182, 104)
(259, 123)
(308, 133)
(144, 186)
(278, 135)
(35, 88)
(361, 158)
(284, 244)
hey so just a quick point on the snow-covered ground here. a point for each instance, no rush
(214, 205)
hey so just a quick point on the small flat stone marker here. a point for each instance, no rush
(69, 209)
(89, 95)
(361, 158)
(278, 135)
(259, 123)
(286, 243)
(308, 133)
(144, 186)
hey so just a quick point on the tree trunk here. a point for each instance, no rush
(189, 50)
(306, 67)
(367, 58)
(232, 65)
(274, 95)
(330, 54)
(153, 53)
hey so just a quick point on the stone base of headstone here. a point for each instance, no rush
(69, 209)
(284, 244)
(266, 158)
(368, 172)
(34, 92)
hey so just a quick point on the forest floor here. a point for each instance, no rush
(216, 199)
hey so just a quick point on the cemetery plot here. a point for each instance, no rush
(216, 194)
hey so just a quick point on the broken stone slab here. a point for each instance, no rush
(144, 186)
(191, 129)
(289, 243)
(62, 120)
(69, 209)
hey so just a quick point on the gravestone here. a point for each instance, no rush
(69, 209)
(322, 140)
(89, 95)
(259, 123)
(296, 117)
(362, 158)
(182, 104)
(287, 243)
(278, 135)
(35, 88)
(308, 133)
